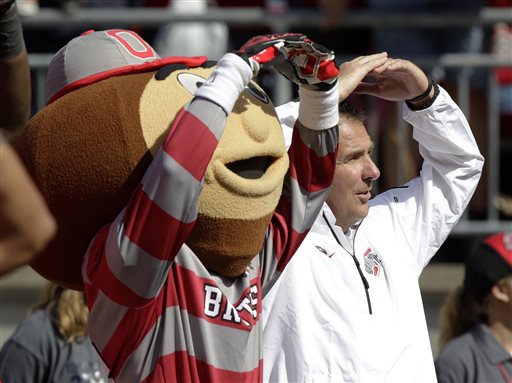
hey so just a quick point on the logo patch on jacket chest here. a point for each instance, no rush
(372, 263)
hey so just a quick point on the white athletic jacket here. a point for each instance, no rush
(317, 321)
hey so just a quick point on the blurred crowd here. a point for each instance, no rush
(215, 38)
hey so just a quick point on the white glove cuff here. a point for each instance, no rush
(319, 110)
(227, 81)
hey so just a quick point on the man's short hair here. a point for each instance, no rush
(349, 111)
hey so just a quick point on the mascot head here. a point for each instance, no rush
(111, 102)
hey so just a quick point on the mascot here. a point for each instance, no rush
(177, 203)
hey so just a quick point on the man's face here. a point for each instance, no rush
(355, 171)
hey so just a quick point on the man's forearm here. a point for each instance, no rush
(26, 225)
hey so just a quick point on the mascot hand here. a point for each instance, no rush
(309, 65)
(267, 50)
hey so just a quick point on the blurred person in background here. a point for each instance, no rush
(192, 38)
(52, 345)
(476, 322)
(351, 41)
(501, 47)
(328, 30)
(416, 43)
(26, 225)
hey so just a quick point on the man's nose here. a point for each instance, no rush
(372, 172)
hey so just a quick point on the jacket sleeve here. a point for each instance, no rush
(427, 208)
(129, 260)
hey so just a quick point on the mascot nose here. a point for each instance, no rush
(257, 130)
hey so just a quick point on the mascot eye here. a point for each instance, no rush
(165, 71)
(191, 82)
(258, 93)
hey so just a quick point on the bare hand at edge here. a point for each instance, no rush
(395, 80)
(351, 73)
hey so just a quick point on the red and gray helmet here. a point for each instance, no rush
(97, 55)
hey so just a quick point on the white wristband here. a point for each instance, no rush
(227, 81)
(319, 110)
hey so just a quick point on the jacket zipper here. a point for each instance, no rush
(358, 265)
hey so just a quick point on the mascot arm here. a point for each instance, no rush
(312, 152)
(129, 260)
(312, 162)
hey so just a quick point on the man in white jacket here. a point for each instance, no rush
(348, 307)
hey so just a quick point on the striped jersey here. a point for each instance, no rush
(156, 313)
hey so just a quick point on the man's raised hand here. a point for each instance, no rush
(352, 73)
(395, 80)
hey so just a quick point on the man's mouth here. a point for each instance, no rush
(251, 168)
(364, 196)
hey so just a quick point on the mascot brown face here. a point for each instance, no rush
(89, 148)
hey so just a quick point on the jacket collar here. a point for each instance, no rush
(327, 220)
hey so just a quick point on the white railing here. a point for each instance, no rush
(50, 18)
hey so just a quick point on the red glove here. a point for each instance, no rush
(309, 64)
(267, 50)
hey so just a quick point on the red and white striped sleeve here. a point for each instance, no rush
(312, 155)
(129, 259)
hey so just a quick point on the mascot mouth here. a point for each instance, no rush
(251, 168)
(252, 177)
